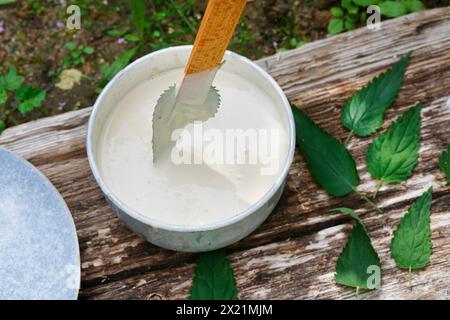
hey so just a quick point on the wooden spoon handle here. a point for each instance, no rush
(216, 29)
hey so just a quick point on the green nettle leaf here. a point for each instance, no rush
(355, 265)
(414, 5)
(214, 279)
(365, 3)
(29, 98)
(444, 163)
(329, 162)
(393, 156)
(335, 26)
(392, 9)
(2, 126)
(363, 112)
(12, 80)
(411, 245)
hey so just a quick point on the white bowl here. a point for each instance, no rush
(177, 237)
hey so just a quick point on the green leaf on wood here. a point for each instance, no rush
(329, 162)
(444, 163)
(353, 267)
(2, 126)
(393, 156)
(411, 245)
(214, 278)
(363, 113)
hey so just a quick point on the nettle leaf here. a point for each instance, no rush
(29, 98)
(411, 245)
(392, 9)
(444, 163)
(354, 266)
(329, 162)
(214, 278)
(363, 112)
(393, 156)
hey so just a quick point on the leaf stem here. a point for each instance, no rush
(349, 137)
(410, 278)
(379, 185)
(370, 202)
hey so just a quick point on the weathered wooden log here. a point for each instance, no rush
(293, 254)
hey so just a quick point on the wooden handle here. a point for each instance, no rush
(217, 28)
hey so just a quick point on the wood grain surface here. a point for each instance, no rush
(293, 254)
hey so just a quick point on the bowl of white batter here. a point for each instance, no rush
(224, 176)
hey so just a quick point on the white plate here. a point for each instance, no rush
(39, 253)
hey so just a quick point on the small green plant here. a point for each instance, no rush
(14, 95)
(76, 54)
(352, 13)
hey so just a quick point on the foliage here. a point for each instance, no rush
(353, 13)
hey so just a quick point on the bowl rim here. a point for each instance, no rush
(150, 222)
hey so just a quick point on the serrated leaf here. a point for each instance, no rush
(393, 156)
(214, 278)
(352, 267)
(392, 9)
(329, 162)
(363, 112)
(444, 163)
(411, 245)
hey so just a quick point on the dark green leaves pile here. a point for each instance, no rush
(214, 279)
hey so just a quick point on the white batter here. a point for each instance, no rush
(188, 194)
